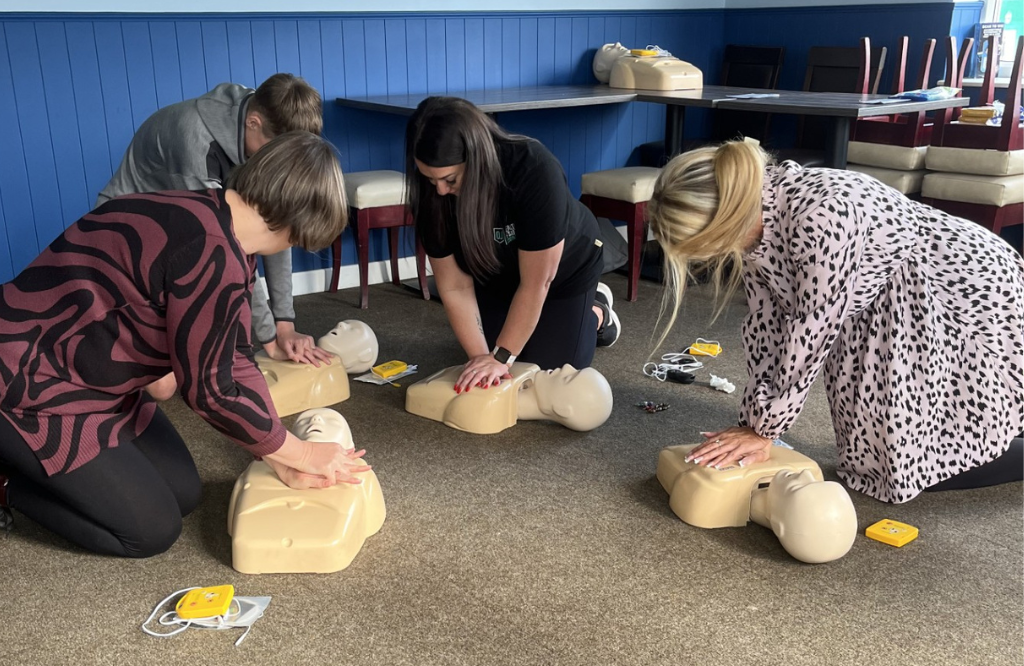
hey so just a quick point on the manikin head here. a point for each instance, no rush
(578, 399)
(323, 425)
(354, 342)
(814, 520)
(605, 59)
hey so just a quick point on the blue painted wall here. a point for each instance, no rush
(74, 87)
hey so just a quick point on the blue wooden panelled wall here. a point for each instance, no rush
(74, 87)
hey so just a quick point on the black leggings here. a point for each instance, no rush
(565, 333)
(1006, 468)
(128, 501)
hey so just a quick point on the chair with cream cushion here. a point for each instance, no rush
(378, 200)
(892, 149)
(977, 171)
(622, 194)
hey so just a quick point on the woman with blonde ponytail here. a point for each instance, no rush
(916, 318)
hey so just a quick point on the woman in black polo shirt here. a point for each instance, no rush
(515, 256)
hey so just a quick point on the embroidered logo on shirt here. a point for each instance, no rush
(505, 234)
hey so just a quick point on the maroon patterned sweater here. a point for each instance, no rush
(144, 285)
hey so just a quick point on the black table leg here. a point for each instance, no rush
(838, 143)
(675, 116)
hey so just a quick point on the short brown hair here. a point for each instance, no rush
(295, 182)
(288, 103)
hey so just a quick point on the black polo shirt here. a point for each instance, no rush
(536, 210)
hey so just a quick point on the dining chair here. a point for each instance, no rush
(747, 67)
(378, 200)
(856, 69)
(622, 194)
(892, 148)
(977, 171)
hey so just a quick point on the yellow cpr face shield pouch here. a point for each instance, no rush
(238, 613)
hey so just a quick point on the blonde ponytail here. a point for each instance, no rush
(705, 205)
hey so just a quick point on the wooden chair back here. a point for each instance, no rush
(838, 69)
(747, 67)
(1009, 135)
(901, 129)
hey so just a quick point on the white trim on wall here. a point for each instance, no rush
(333, 6)
(317, 281)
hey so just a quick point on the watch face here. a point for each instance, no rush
(501, 355)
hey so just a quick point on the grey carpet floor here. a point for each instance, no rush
(543, 546)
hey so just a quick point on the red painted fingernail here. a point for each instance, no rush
(457, 390)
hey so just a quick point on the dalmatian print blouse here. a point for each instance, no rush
(915, 316)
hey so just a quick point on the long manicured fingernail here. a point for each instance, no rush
(458, 390)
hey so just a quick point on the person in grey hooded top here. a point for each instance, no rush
(194, 144)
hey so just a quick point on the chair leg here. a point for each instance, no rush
(421, 269)
(363, 249)
(393, 248)
(336, 264)
(637, 237)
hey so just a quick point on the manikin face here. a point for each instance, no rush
(814, 520)
(447, 180)
(323, 425)
(578, 399)
(354, 342)
(787, 482)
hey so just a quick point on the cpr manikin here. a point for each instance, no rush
(814, 519)
(354, 342)
(275, 529)
(578, 399)
(298, 386)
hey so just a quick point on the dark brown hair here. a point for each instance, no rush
(288, 103)
(295, 182)
(445, 131)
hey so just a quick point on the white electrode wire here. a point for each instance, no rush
(671, 361)
(157, 610)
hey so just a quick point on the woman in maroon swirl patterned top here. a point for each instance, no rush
(147, 295)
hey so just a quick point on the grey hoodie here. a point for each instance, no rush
(193, 145)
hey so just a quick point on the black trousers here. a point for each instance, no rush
(127, 501)
(565, 333)
(1007, 468)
